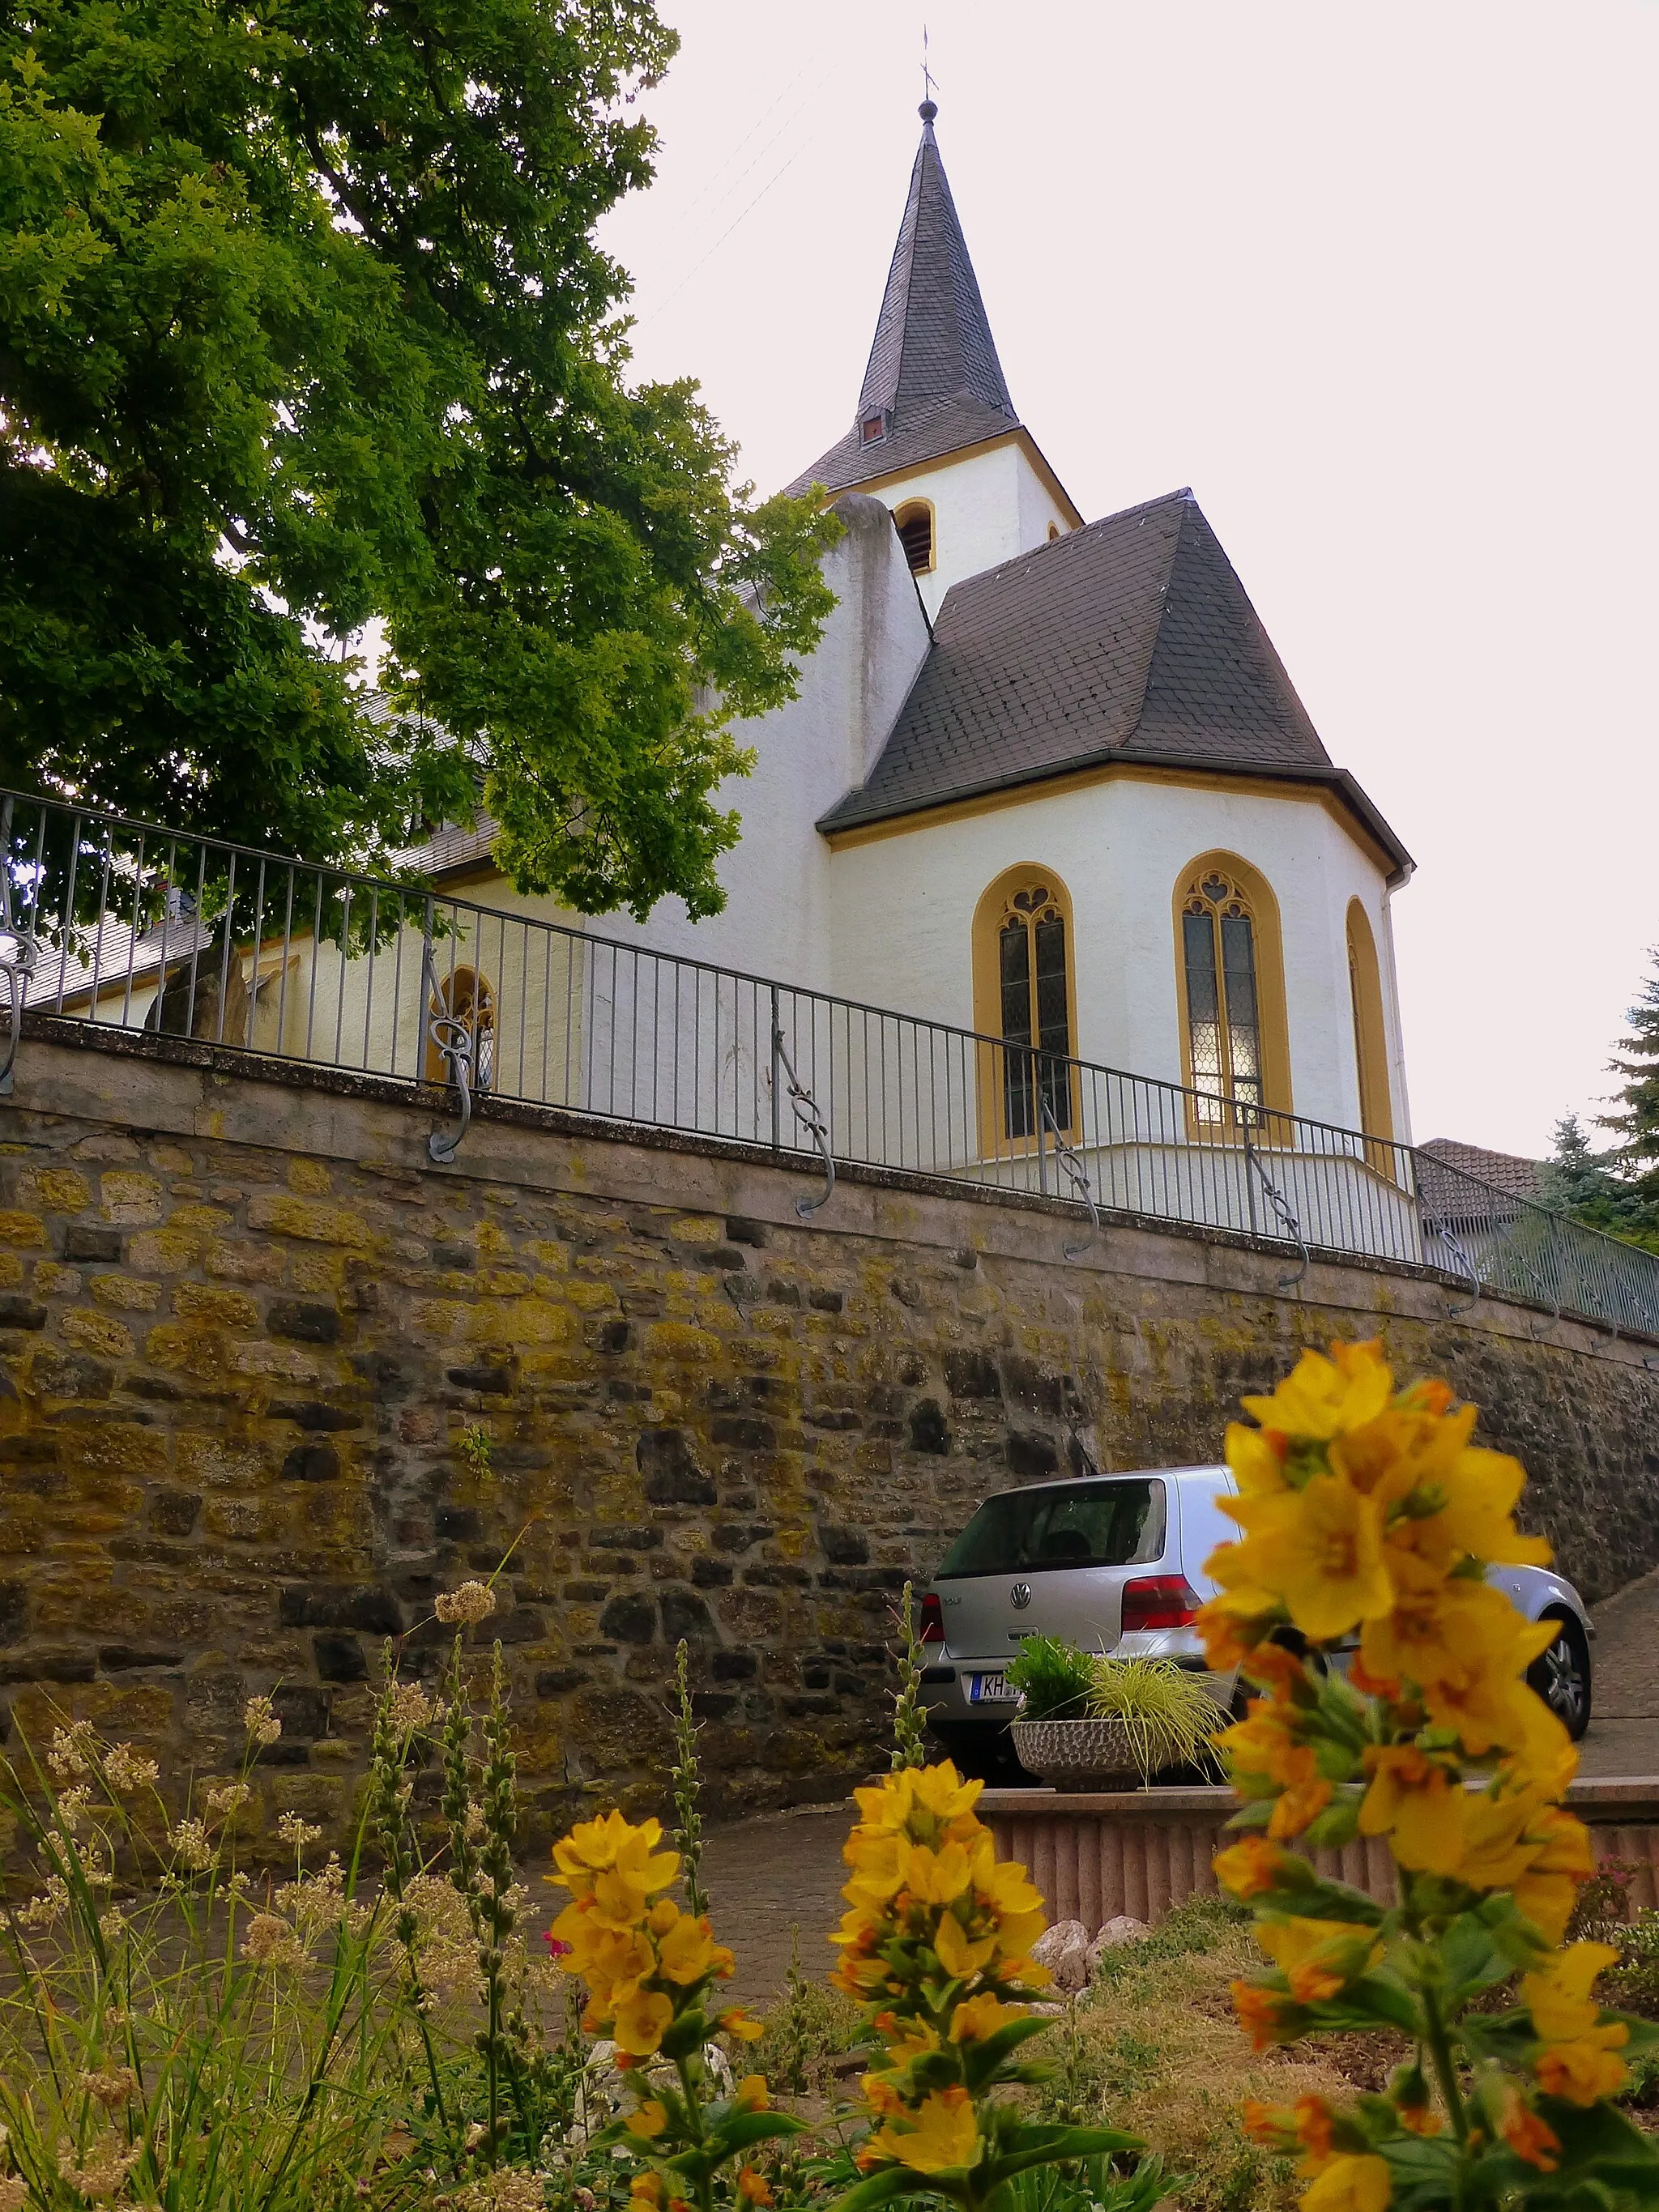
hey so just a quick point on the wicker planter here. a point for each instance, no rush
(1079, 1754)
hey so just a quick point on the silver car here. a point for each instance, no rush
(1115, 1563)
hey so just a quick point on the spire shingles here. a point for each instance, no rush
(933, 376)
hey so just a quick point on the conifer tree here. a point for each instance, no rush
(1637, 1059)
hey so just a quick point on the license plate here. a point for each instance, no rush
(991, 1690)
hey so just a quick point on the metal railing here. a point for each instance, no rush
(120, 923)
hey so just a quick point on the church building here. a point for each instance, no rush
(1046, 779)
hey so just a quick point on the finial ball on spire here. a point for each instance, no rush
(928, 110)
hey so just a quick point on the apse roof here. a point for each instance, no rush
(1131, 639)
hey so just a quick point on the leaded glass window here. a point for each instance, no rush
(1036, 1013)
(1223, 1021)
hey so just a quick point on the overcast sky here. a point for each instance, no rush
(1378, 282)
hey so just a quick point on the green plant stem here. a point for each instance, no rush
(1445, 2069)
(907, 1723)
(688, 1785)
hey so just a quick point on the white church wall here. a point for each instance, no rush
(707, 1041)
(987, 507)
(904, 907)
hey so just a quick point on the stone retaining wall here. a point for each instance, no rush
(247, 1330)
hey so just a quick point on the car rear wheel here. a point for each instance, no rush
(1561, 1676)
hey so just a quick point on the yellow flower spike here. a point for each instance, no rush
(975, 2018)
(639, 2021)
(941, 1791)
(1251, 1865)
(1480, 1489)
(937, 1877)
(1587, 2068)
(1304, 1797)
(1317, 1957)
(1417, 1803)
(1436, 1625)
(943, 2135)
(687, 1951)
(1320, 1398)
(1255, 1461)
(594, 1847)
(1320, 1549)
(1350, 2185)
(1558, 1993)
(916, 2040)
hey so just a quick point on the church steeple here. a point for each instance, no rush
(933, 337)
(936, 435)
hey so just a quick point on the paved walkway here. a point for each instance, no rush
(1624, 1729)
(769, 1876)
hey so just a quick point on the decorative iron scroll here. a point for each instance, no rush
(806, 1113)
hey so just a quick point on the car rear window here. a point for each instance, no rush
(1083, 1524)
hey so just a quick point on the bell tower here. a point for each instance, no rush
(936, 435)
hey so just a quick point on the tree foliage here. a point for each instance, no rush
(1617, 1190)
(303, 324)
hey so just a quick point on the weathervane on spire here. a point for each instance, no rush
(929, 108)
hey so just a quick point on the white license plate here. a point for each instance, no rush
(991, 1690)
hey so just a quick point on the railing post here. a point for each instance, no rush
(777, 1091)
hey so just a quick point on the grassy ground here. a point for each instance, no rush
(1152, 2047)
(1155, 2048)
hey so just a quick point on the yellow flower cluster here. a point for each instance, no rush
(1365, 1513)
(638, 1953)
(936, 1945)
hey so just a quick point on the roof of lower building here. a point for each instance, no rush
(1131, 640)
(1506, 1171)
(934, 378)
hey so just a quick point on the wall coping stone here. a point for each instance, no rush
(1603, 1797)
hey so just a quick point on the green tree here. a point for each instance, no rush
(302, 325)
(1637, 1059)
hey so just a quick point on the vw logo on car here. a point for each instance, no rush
(1020, 1596)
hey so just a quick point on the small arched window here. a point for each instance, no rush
(466, 998)
(1232, 991)
(1054, 531)
(1370, 1037)
(915, 523)
(1024, 994)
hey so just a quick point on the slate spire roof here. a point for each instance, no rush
(933, 376)
(1131, 640)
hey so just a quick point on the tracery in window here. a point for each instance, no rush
(914, 521)
(1224, 1013)
(1034, 1004)
(467, 996)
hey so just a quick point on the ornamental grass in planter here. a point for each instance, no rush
(1087, 1717)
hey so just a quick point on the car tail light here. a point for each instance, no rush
(1159, 1602)
(930, 1628)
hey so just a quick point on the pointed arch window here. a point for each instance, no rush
(1369, 1037)
(1024, 993)
(1224, 1022)
(1234, 1045)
